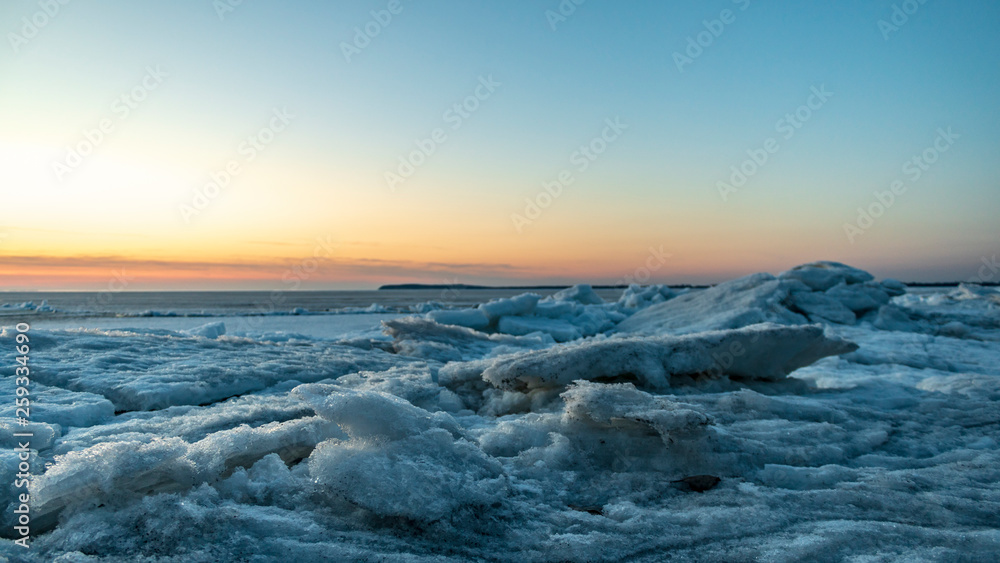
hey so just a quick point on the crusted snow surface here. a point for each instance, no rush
(814, 437)
(155, 369)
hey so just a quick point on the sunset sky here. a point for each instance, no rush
(115, 118)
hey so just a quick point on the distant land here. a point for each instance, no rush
(620, 286)
(467, 286)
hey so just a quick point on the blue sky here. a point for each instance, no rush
(457, 216)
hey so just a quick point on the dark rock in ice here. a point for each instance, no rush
(595, 510)
(698, 483)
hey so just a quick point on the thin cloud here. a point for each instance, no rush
(329, 268)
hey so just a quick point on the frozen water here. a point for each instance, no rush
(846, 419)
(146, 370)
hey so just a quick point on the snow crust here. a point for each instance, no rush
(823, 415)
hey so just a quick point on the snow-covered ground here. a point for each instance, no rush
(816, 415)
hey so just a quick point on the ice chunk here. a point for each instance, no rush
(427, 307)
(423, 477)
(766, 352)
(622, 405)
(401, 460)
(556, 309)
(859, 298)
(191, 423)
(560, 330)
(574, 312)
(892, 317)
(823, 275)
(580, 321)
(42, 435)
(44, 307)
(220, 453)
(116, 470)
(371, 414)
(893, 287)
(523, 304)
(976, 386)
(416, 384)
(65, 408)
(955, 329)
(476, 319)
(975, 291)
(210, 330)
(581, 293)
(637, 297)
(741, 302)
(413, 336)
(822, 291)
(107, 470)
(820, 307)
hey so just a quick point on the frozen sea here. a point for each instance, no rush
(817, 414)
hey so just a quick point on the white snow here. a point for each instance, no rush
(846, 419)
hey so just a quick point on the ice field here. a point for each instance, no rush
(813, 415)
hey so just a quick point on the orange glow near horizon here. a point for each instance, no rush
(552, 253)
(168, 192)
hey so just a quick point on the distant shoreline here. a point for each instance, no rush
(417, 286)
(619, 286)
(681, 286)
(546, 287)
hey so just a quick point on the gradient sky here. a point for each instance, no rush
(314, 206)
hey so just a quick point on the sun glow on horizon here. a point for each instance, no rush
(218, 157)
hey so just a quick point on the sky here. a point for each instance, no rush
(200, 144)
